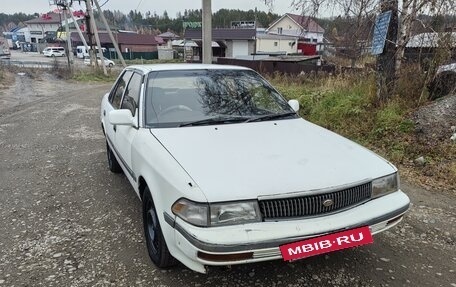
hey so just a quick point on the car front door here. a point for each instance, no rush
(115, 99)
(125, 134)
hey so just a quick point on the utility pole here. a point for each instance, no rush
(97, 37)
(88, 24)
(114, 42)
(207, 32)
(64, 5)
(386, 72)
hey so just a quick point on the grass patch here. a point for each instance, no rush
(346, 105)
(94, 75)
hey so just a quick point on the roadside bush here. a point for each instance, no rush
(61, 71)
(412, 84)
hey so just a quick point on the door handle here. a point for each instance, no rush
(114, 127)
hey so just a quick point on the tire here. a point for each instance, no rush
(110, 65)
(156, 245)
(113, 164)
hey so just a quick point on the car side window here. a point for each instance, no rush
(131, 97)
(118, 92)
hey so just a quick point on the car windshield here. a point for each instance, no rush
(203, 97)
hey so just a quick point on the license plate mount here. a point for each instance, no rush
(327, 243)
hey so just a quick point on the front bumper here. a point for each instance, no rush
(261, 241)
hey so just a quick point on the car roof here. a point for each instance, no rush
(176, 67)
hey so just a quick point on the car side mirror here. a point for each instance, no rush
(122, 117)
(294, 104)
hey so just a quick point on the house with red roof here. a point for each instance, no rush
(292, 33)
(133, 45)
(44, 26)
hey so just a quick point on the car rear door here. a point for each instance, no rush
(125, 135)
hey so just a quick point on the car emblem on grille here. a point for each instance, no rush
(328, 202)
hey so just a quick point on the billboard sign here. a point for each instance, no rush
(380, 32)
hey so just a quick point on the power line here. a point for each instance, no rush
(104, 3)
(140, 1)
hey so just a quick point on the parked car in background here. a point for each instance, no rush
(228, 173)
(81, 51)
(54, 52)
(444, 82)
(108, 63)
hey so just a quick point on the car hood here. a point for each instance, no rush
(250, 160)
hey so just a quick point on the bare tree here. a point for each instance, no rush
(358, 13)
(409, 14)
(406, 12)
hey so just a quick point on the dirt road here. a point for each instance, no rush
(67, 221)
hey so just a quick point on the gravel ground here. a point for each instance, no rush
(67, 221)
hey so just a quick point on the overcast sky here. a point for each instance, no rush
(172, 6)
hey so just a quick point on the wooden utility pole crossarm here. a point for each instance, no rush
(97, 37)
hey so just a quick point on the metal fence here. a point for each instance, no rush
(132, 55)
(270, 67)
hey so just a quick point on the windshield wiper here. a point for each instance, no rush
(214, 121)
(270, 117)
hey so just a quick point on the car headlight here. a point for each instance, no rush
(191, 212)
(384, 185)
(217, 214)
(234, 213)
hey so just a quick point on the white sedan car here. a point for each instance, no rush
(108, 63)
(228, 173)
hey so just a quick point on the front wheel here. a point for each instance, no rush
(156, 245)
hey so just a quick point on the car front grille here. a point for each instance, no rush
(312, 205)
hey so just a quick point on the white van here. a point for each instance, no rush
(54, 52)
(82, 52)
